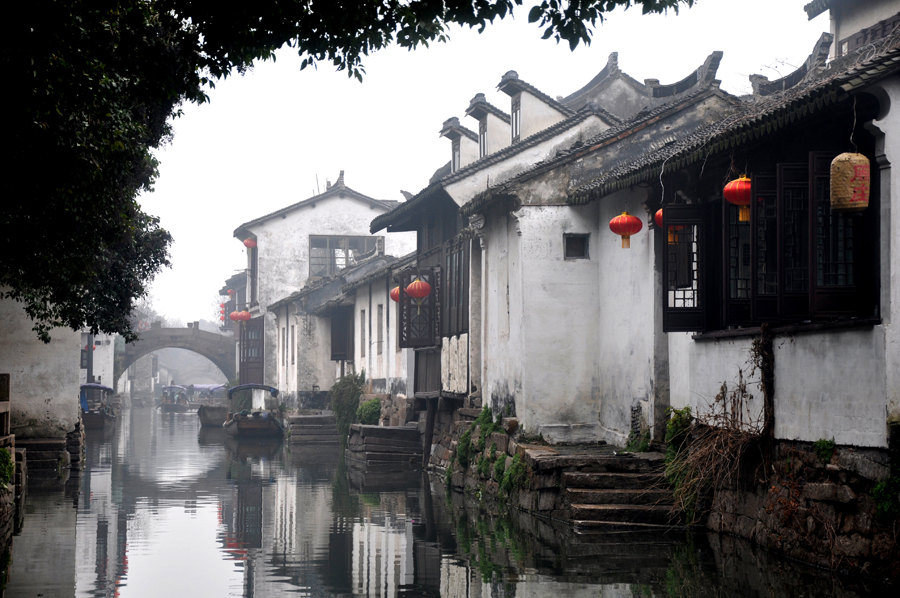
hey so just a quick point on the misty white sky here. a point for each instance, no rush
(265, 137)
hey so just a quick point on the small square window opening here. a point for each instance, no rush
(576, 247)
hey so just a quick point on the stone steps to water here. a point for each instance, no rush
(384, 448)
(653, 514)
(613, 480)
(618, 493)
(620, 496)
(313, 429)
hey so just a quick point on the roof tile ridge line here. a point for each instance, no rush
(682, 101)
(492, 109)
(546, 98)
(518, 146)
(738, 121)
(610, 68)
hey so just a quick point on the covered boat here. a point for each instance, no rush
(174, 398)
(97, 412)
(258, 417)
(212, 415)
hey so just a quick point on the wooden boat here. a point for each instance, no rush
(212, 415)
(97, 412)
(174, 399)
(261, 419)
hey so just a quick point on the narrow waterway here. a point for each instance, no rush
(166, 509)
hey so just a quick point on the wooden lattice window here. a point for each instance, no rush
(420, 324)
(455, 316)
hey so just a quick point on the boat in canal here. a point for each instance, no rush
(174, 398)
(212, 416)
(258, 417)
(97, 412)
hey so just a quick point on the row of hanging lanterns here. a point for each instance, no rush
(417, 289)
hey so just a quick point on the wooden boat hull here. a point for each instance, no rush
(254, 427)
(94, 420)
(212, 415)
(173, 407)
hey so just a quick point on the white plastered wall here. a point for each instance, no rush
(536, 115)
(44, 378)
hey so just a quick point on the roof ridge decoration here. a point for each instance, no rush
(479, 107)
(817, 7)
(510, 84)
(869, 65)
(611, 135)
(702, 77)
(811, 68)
(453, 130)
(338, 188)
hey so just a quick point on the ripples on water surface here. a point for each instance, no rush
(166, 509)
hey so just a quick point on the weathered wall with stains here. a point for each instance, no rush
(384, 361)
(314, 366)
(283, 246)
(540, 314)
(630, 316)
(536, 115)
(44, 378)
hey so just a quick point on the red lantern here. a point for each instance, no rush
(249, 243)
(395, 294)
(230, 292)
(245, 315)
(418, 290)
(738, 193)
(673, 230)
(626, 225)
(222, 318)
(234, 316)
(221, 305)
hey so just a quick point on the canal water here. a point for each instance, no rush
(166, 509)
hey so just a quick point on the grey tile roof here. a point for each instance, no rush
(757, 119)
(336, 189)
(452, 125)
(604, 139)
(511, 81)
(395, 215)
(817, 7)
(479, 104)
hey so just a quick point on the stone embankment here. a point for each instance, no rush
(593, 487)
(823, 511)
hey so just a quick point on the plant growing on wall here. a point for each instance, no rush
(344, 400)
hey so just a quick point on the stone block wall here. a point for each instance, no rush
(815, 511)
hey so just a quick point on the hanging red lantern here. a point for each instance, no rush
(673, 230)
(737, 192)
(230, 292)
(850, 181)
(245, 315)
(418, 290)
(395, 294)
(249, 243)
(626, 225)
(222, 318)
(221, 305)
(234, 316)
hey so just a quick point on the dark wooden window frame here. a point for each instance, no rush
(455, 314)
(322, 266)
(791, 230)
(342, 334)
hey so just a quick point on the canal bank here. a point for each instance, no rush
(828, 506)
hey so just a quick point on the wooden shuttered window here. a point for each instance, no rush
(796, 259)
(420, 323)
(455, 301)
(684, 306)
(342, 335)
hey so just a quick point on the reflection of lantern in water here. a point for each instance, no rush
(737, 192)
(626, 225)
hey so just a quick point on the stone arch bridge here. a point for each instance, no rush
(217, 348)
